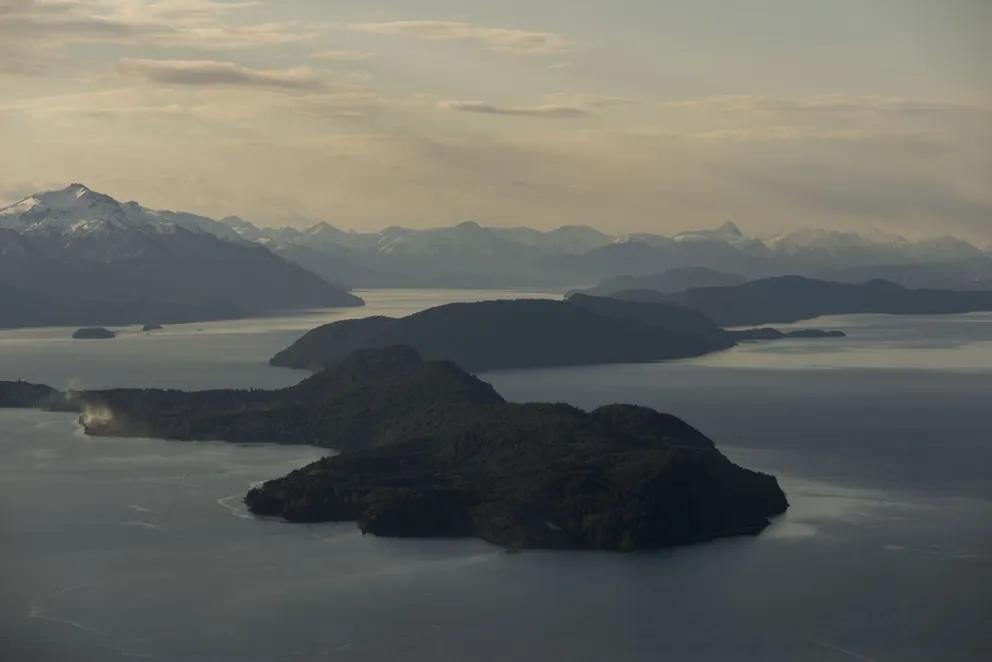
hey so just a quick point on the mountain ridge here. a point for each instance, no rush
(786, 299)
(78, 257)
(471, 255)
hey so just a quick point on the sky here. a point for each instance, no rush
(630, 115)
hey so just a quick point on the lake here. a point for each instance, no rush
(140, 549)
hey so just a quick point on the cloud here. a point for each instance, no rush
(559, 105)
(246, 108)
(823, 117)
(830, 103)
(341, 56)
(213, 72)
(231, 37)
(139, 101)
(587, 100)
(522, 42)
(356, 103)
(547, 110)
(80, 20)
(33, 32)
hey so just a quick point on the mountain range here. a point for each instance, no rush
(78, 257)
(785, 299)
(470, 255)
(669, 282)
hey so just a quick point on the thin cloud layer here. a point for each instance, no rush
(547, 110)
(33, 32)
(213, 72)
(831, 103)
(341, 55)
(522, 42)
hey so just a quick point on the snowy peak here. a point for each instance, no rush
(728, 233)
(729, 229)
(74, 197)
(75, 210)
(872, 246)
(78, 190)
(818, 238)
(568, 239)
(462, 241)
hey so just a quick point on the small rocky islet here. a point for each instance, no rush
(93, 333)
(429, 450)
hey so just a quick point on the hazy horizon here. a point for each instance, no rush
(637, 117)
(618, 233)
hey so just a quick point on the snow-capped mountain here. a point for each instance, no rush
(568, 239)
(105, 262)
(473, 255)
(727, 233)
(835, 249)
(74, 211)
(77, 211)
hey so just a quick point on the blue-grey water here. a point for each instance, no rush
(139, 549)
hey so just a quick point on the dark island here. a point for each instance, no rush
(538, 476)
(151, 326)
(768, 333)
(786, 299)
(668, 282)
(94, 333)
(429, 450)
(26, 395)
(525, 333)
(529, 333)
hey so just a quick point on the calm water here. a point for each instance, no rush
(139, 549)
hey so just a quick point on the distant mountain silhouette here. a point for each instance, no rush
(670, 281)
(793, 298)
(94, 260)
(472, 255)
(431, 451)
(967, 274)
(490, 335)
(768, 333)
(75, 256)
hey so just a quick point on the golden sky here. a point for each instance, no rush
(636, 115)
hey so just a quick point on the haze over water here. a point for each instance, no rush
(140, 549)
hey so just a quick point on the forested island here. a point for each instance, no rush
(429, 450)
